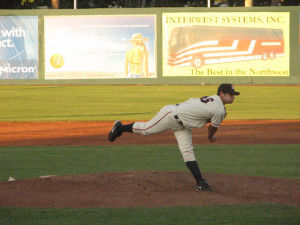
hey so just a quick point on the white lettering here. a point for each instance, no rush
(14, 32)
(17, 69)
(6, 44)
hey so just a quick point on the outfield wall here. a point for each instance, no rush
(258, 45)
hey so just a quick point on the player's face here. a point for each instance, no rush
(227, 98)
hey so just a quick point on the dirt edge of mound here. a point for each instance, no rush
(146, 189)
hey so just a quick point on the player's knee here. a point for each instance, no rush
(188, 154)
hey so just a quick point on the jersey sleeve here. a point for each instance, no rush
(217, 118)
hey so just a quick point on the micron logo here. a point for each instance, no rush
(6, 68)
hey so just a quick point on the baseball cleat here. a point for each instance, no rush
(115, 131)
(203, 186)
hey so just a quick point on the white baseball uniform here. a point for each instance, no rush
(181, 118)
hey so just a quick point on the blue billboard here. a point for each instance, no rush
(18, 47)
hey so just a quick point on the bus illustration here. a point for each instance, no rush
(196, 46)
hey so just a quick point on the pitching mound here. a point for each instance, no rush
(146, 189)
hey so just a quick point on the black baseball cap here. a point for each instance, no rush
(227, 88)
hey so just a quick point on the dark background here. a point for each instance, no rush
(65, 4)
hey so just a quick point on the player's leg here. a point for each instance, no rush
(163, 121)
(184, 139)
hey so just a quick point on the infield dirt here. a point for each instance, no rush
(95, 133)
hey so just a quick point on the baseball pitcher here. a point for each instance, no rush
(182, 118)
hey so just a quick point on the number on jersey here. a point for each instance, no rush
(206, 99)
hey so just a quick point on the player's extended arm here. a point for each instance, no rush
(211, 132)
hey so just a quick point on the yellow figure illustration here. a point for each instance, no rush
(136, 61)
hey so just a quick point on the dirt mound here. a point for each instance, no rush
(146, 189)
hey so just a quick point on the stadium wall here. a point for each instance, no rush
(166, 20)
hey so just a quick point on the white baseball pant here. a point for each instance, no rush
(163, 121)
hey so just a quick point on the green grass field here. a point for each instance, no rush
(102, 103)
(259, 160)
(258, 214)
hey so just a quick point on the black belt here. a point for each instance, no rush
(178, 120)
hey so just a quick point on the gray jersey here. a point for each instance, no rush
(196, 112)
(193, 113)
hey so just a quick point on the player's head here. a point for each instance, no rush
(227, 93)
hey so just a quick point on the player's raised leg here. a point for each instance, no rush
(163, 121)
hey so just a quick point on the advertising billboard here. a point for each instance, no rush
(226, 44)
(100, 47)
(18, 47)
